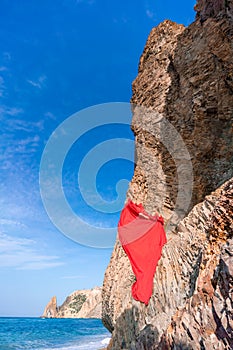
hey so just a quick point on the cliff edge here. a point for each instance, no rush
(185, 82)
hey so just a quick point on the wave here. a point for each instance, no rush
(52, 334)
(94, 343)
(105, 341)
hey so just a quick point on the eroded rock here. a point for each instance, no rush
(185, 77)
(79, 304)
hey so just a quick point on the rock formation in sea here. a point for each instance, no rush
(80, 304)
(184, 83)
(50, 310)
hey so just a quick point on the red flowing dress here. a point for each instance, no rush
(142, 237)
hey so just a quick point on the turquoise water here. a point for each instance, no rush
(46, 334)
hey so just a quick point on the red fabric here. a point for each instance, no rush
(142, 239)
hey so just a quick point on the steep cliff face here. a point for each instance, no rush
(206, 320)
(191, 307)
(185, 76)
(185, 80)
(80, 304)
(50, 310)
(213, 8)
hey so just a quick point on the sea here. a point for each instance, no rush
(57, 334)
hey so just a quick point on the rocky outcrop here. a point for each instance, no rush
(80, 304)
(185, 77)
(206, 320)
(213, 8)
(50, 310)
(183, 92)
(191, 306)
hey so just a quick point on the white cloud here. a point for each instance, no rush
(19, 143)
(9, 111)
(15, 123)
(150, 14)
(9, 222)
(17, 154)
(40, 265)
(7, 56)
(2, 86)
(19, 191)
(72, 277)
(10, 244)
(50, 115)
(18, 253)
(28, 140)
(39, 83)
(123, 19)
(35, 84)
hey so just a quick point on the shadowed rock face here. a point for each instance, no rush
(185, 76)
(191, 306)
(213, 8)
(206, 320)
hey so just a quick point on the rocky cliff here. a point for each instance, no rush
(50, 310)
(79, 304)
(182, 120)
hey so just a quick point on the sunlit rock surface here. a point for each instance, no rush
(80, 304)
(186, 78)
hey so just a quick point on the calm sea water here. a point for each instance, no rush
(46, 334)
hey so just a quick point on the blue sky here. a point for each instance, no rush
(56, 58)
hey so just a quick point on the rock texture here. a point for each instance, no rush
(185, 76)
(206, 320)
(80, 304)
(50, 310)
(213, 8)
(185, 80)
(191, 307)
